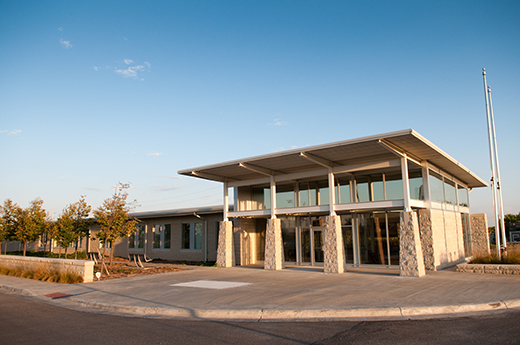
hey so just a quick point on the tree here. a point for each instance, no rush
(113, 219)
(30, 223)
(73, 224)
(10, 212)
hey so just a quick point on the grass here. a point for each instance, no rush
(512, 258)
(43, 274)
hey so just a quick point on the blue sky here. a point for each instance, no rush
(97, 92)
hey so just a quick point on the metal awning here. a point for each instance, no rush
(373, 148)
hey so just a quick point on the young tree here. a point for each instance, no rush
(73, 224)
(10, 212)
(113, 219)
(30, 223)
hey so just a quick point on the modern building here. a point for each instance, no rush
(389, 200)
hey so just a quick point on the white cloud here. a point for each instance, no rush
(65, 44)
(163, 188)
(60, 29)
(155, 154)
(96, 68)
(277, 122)
(11, 132)
(133, 71)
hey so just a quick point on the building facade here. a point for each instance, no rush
(389, 200)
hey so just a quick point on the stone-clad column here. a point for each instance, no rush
(411, 261)
(225, 257)
(273, 245)
(333, 250)
(479, 234)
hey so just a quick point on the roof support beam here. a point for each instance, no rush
(257, 169)
(399, 151)
(212, 177)
(317, 159)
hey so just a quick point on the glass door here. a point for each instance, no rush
(317, 247)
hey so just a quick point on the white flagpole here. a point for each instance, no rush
(499, 183)
(492, 164)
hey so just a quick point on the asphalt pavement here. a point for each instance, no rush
(253, 294)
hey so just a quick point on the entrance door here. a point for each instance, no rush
(317, 246)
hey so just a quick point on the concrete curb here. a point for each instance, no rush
(271, 315)
(266, 315)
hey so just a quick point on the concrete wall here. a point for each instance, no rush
(83, 268)
(175, 252)
(442, 238)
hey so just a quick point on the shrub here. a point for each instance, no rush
(512, 258)
(43, 274)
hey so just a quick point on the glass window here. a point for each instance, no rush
(285, 196)
(131, 240)
(436, 188)
(261, 198)
(378, 191)
(288, 226)
(303, 194)
(415, 181)
(198, 236)
(185, 236)
(192, 235)
(362, 192)
(162, 236)
(343, 196)
(463, 196)
(323, 190)
(313, 193)
(140, 236)
(394, 186)
(450, 192)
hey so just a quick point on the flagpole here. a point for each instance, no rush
(499, 183)
(492, 165)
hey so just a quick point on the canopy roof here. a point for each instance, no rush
(367, 149)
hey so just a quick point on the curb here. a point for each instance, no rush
(271, 315)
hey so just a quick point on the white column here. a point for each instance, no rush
(332, 194)
(226, 202)
(273, 198)
(426, 185)
(406, 184)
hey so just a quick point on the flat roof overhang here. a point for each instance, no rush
(373, 148)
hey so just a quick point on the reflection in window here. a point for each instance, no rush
(162, 236)
(362, 192)
(436, 189)
(394, 186)
(463, 196)
(285, 196)
(343, 194)
(191, 236)
(450, 192)
(261, 197)
(378, 190)
(415, 181)
(314, 193)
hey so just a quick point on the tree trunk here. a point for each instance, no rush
(5, 248)
(111, 253)
(59, 253)
(76, 251)
(66, 252)
(24, 247)
(1, 244)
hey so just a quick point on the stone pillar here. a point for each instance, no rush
(411, 262)
(273, 245)
(333, 250)
(479, 234)
(225, 257)
(426, 234)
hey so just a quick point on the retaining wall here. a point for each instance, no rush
(488, 268)
(83, 268)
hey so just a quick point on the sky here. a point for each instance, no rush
(93, 93)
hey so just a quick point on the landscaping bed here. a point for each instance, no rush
(122, 268)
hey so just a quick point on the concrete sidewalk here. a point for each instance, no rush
(292, 294)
